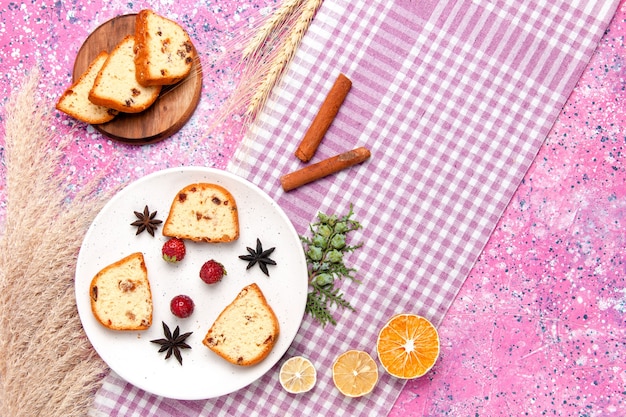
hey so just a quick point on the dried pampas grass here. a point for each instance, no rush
(47, 365)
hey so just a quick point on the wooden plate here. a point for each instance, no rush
(169, 112)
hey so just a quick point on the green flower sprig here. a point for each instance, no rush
(325, 252)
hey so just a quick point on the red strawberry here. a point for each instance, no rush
(212, 272)
(181, 306)
(174, 250)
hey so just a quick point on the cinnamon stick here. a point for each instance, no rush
(324, 168)
(325, 116)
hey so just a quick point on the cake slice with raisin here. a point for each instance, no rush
(164, 53)
(116, 85)
(246, 330)
(203, 212)
(120, 294)
(75, 100)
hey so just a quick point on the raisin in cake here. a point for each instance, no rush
(246, 330)
(164, 51)
(203, 212)
(75, 100)
(116, 85)
(120, 294)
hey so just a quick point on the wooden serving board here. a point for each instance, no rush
(170, 111)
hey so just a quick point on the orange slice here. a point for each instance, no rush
(355, 373)
(297, 375)
(408, 346)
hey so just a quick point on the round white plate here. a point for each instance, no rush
(203, 374)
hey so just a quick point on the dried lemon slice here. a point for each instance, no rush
(408, 346)
(297, 375)
(355, 373)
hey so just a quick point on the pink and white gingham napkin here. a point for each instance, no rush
(453, 98)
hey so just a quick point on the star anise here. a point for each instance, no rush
(146, 221)
(260, 256)
(173, 343)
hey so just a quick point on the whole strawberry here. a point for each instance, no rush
(212, 272)
(174, 250)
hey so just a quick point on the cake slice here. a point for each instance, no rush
(120, 294)
(246, 330)
(75, 100)
(116, 85)
(164, 51)
(203, 212)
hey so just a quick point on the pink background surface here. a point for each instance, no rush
(539, 327)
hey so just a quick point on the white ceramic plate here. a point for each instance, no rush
(203, 374)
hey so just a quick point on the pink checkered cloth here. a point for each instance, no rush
(454, 99)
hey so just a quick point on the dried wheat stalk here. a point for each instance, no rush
(279, 62)
(47, 365)
(263, 60)
(270, 26)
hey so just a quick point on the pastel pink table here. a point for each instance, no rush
(539, 328)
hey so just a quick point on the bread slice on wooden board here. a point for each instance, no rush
(75, 100)
(164, 51)
(203, 212)
(246, 330)
(120, 294)
(116, 85)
